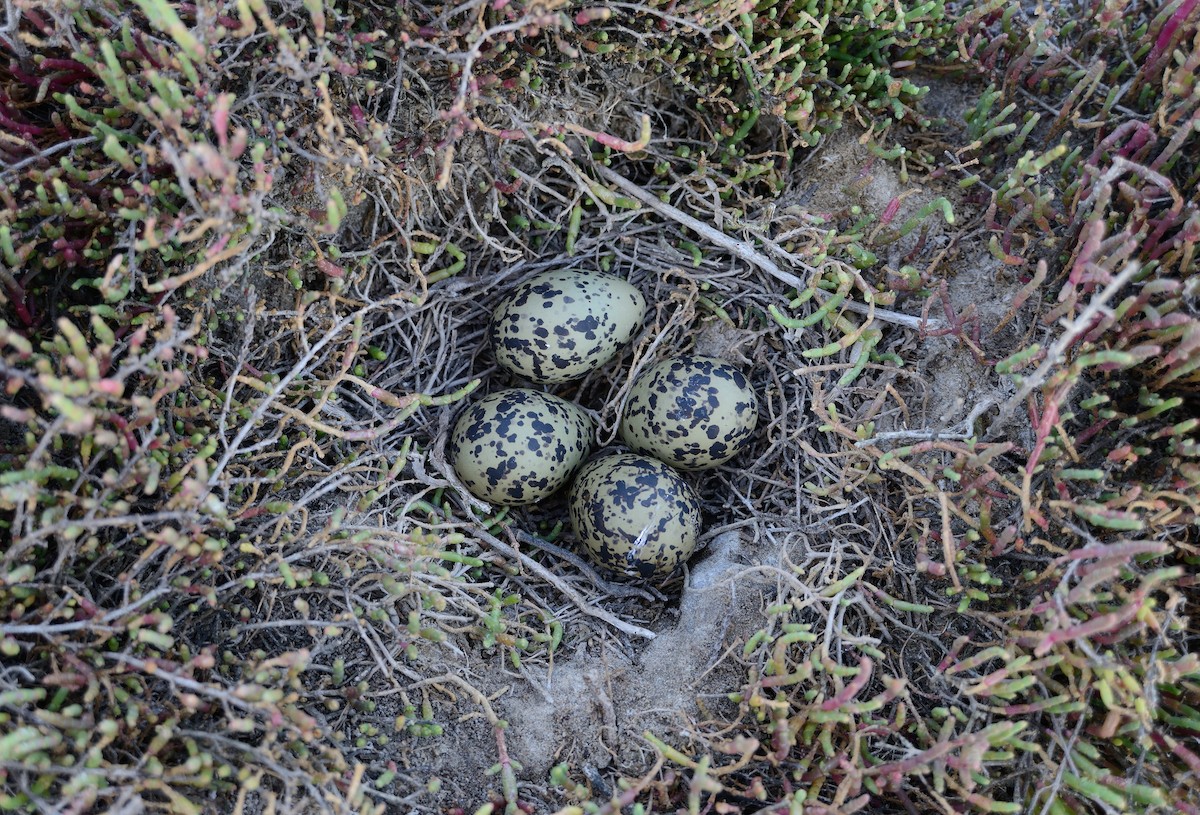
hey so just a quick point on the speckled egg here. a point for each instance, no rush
(518, 446)
(691, 412)
(559, 326)
(634, 514)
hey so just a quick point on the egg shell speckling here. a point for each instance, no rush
(634, 514)
(691, 412)
(559, 326)
(518, 446)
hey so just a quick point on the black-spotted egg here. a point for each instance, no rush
(561, 325)
(634, 515)
(518, 446)
(691, 412)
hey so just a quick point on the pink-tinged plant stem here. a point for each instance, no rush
(852, 687)
(1189, 758)
(1098, 625)
(20, 303)
(1165, 41)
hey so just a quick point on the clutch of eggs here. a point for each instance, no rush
(634, 514)
(518, 446)
(561, 325)
(692, 412)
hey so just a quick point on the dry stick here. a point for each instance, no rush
(615, 589)
(580, 602)
(748, 253)
(1073, 330)
(959, 432)
(268, 401)
(894, 317)
(949, 551)
(47, 629)
(46, 153)
(741, 249)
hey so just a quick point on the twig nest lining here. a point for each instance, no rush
(691, 412)
(561, 325)
(519, 446)
(634, 515)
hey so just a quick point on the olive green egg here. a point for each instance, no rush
(559, 326)
(692, 412)
(518, 446)
(634, 515)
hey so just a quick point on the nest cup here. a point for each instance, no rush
(566, 330)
